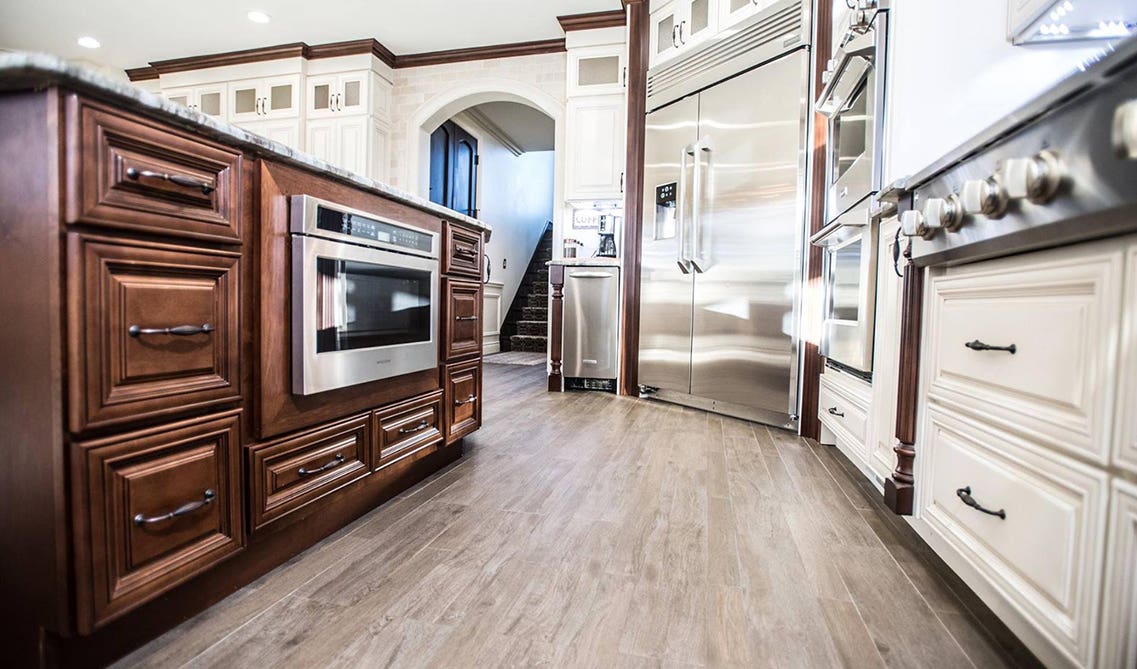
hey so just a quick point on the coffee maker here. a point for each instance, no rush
(607, 233)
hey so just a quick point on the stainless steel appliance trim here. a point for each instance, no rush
(591, 340)
(302, 220)
(850, 343)
(771, 418)
(774, 31)
(314, 372)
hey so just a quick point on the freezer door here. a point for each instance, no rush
(665, 279)
(592, 322)
(747, 233)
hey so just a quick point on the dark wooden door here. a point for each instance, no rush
(454, 168)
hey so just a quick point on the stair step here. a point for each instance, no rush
(537, 300)
(540, 313)
(529, 343)
(532, 328)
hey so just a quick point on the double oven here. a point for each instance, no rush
(853, 101)
(365, 296)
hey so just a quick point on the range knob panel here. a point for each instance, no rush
(944, 213)
(1125, 130)
(1036, 179)
(913, 224)
(984, 196)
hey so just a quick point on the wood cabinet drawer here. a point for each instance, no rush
(153, 330)
(127, 172)
(1041, 553)
(406, 428)
(462, 251)
(462, 318)
(1056, 313)
(290, 473)
(837, 409)
(152, 509)
(462, 398)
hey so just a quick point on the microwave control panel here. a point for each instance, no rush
(372, 230)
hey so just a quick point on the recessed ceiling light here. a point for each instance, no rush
(88, 42)
(259, 17)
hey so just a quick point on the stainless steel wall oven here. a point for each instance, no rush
(365, 299)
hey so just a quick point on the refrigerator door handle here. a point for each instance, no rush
(680, 217)
(698, 262)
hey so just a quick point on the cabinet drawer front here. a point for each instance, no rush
(122, 298)
(836, 409)
(1045, 555)
(126, 172)
(463, 251)
(1119, 615)
(1060, 312)
(463, 318)
(153, 509)
(291, 473)
(406, 428)
(463, 399)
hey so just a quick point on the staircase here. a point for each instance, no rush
(526, 324)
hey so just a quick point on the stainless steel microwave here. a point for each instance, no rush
(365, 296)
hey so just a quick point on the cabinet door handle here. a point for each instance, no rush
(134, 174)
(185, 509)
(177, 330)
(468, 400)
(977, 345)
(674, 39)
(417, 428)
(833, 411)
(681, 24)
(332, 464)
(964, 494)
(621, 182)
(465, 318)
(624, 77)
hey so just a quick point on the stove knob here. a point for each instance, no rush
(912, 225)
(984, 196)
(1036, 179)
(1125, 130)
(943, 213)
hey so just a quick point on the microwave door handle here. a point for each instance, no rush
(698, 262)
(680, 216)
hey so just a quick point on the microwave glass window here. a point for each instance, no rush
(845, 282)
(850, 127)
(364, 305)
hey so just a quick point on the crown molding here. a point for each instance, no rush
(592, 20)
(145, 73)
(494, 130)
(481, 53)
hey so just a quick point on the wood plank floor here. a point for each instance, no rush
(586, 530)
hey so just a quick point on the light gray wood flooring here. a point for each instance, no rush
(586, 530)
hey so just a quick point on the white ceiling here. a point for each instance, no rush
(527, 128)
(135, 32)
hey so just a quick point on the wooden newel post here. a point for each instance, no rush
(556, 317)
(898, 487)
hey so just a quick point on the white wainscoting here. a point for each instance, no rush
(491, 317)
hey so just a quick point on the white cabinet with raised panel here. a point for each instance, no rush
(594, 143)
(286, 132)
(886, 354)
(678, 25)
(354, 143)
(1119, 614)
(733, 11)
(338, 94)
(1125, 439)
(597, 70)
(262, 99)
(212, 100)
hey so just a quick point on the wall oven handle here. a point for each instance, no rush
(976, 345)
(468, 400)
(417, 428)
(177, 330)
(134, 174)
(332, 464)
(964, 495)
(183, 510)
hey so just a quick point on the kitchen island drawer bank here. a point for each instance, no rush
(167, 460)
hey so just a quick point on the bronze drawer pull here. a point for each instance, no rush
(417, 428)
(179, 330)
(177, 179)
(833, 411)
(468, 400)
(965, 495)
(469, 253)
(187, 508)
(335, 462)
(465, 318)
(977, 345)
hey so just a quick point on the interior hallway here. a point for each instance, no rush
(582, 529)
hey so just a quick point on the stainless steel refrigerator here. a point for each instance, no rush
(723, 229)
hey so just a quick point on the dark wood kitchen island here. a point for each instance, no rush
(156, 457)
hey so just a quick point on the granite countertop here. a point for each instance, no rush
(586, 262)
(36, 70)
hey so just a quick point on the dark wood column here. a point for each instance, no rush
(811, 305)
(633, 195)
(898, 487)
(557, 318)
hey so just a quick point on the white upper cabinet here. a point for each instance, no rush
(679, 25)
(595, 143)
(210, 100)
(337, 94)
(733, 11)
(597, 70)
(261, 99)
